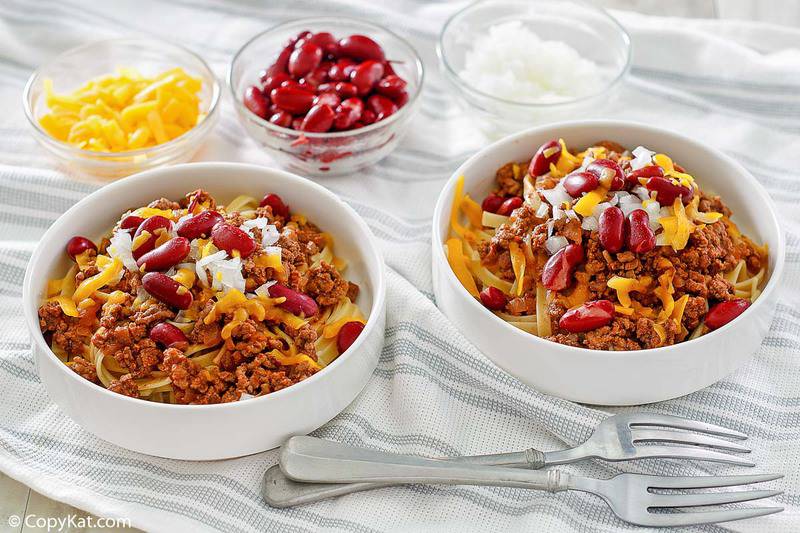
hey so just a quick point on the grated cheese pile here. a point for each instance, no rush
(124, 111)
(512, 62)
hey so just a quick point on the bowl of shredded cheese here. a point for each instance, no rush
(517, 63)
(115, 107)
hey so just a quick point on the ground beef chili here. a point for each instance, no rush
(179, 302)
(645, 274)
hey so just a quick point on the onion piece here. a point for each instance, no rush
(120, 247)
(493, 220)
(557, 195)
(589, 223)
(555, 243)
(543, 210)
(641, 157)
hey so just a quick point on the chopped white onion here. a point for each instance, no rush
(589, 224)
(558, 213)
(273, 250)
(599, 208)
(120, 247)
(641, 192)
(555, 243)
(665, 211)
(227, 274)
(629, 208)
(200, 266)
(543, 210)
(641, 157)
(653, 211)
(614, 200)
(557, 195)
(571, 214)
(263, 290)
(630, 199)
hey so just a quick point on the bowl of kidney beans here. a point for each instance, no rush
(326, 95)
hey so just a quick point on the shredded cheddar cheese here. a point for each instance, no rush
(585, 206)
(625, 286)
(455, 256)
(518, 265)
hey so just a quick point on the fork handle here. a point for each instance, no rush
(280, 491)
(309, 459)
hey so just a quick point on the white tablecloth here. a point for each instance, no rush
(734, 85)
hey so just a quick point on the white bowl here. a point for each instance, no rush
(606, 377)
(202, 432)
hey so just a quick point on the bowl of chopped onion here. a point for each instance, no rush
(115, 107)
(514, 63)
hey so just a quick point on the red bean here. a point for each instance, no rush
(319, 119)
(296, 303)
(294, 100)
(199, 225)
(650, 171)
(493, 298)
(401, 99)
(612, 229)
(492, 203)
(366, 75)
(167, 290)
(361, 47)
(326, 41)
(381, 106)
(230, 238)
(327, 98)
(608, 172)
(509, 204)
(547, 153)
(578, 183)
(315, 78)
(304, 59)
(154, 225)
(640, 236)
(337, 71)
(557, 272)
(589, 316)
(280, 63)
(345, 117)
(273, 82)
(298, 39)
(255, 101)
(131, 223)
(347, 335)
(666, 191)
(391, 86)
(281, 118)
(77, 245)
(165, 256)
(723, 312)
(368, 117)
(279, 208)
(167, 335)
(345, 89)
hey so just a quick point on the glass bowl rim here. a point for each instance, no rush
(216, 94)
(454, 77)
(407, 108)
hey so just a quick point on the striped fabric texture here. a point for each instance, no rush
(733, 85)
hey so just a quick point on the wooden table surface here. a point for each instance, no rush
(18, 500)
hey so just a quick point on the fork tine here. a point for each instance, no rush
(709, 498)
(705, 517)
(676, 422)
(695, 453)
(684, 437)
(705, 482)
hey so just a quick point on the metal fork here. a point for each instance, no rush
(630, 496)
(620, 437)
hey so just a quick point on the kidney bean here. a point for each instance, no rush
(298, 39)
(381, 106)
(557, 272)
(666, 191)
(279, 208)
(199, 225)
(165, 256)
(391, 86)
(639, 235)
(154, 225)
(368, 117)
(296, 303)
(314, 78)
(326, 41)
(347, 335)
(612, 229)
(294, 100)
(366, 75)
(401, 99)
(345, 89)
(167, 290)
(547, 153)
(131, 223)
(644, 172)
(361, 47)
(578, 183)
(331, 99)
(167, 335)
(493, 298)
(589, 316)
(280, 63)
(508, 205)
(255, 101)
(337, 71)
(304, 58)
(603, 169)
(77, 245)
(281, 118)
(723, 312)
(229, 238)
(273, 82)
(319, 119)
(345, 117)
(492, 203)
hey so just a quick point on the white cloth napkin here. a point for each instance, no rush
(733, 85)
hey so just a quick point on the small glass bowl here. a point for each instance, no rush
(592, 32)
(75, 67)
(332, 153)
